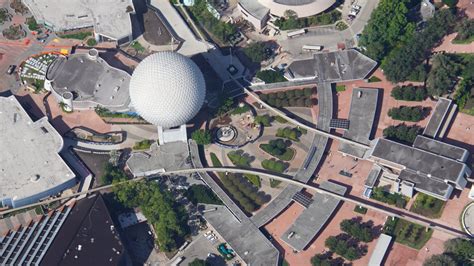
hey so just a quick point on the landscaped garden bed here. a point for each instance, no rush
(407, 233)
(391, 198)
(279, 149)
(428, 206)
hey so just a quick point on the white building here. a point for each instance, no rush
(257, 12)
(31, 168)
(110, 19)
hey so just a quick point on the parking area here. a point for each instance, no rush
(203, 248)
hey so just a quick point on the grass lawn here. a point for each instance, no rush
(411, 234)
(254, 179)
(287, 156)
(374, 79)
(77, 36)
(340, 88)
(428, 206)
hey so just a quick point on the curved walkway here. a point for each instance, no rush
(316, 152)
(468, 219)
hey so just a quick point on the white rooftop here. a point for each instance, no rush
(29, 161)
(108, 17)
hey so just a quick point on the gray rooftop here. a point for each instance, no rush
(332, 67)
(361, 117)
(31, 165)
(312, 219)
(427, 185)
(92, 81)
(254, 8)
(373, 176)
(244, 238)
(380, 249)
(417, 160)
(159, 158)
(437, 118)
(294, 2)
(108, 17)
(441, 148)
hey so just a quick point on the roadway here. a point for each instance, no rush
(329, 36)
(412, 217)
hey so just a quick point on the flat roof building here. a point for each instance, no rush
(32, 168)
(313, 218)
(361, 120)
(110, 19)
(84, 81)
(345, 65)
(79, 233)
(421, 170)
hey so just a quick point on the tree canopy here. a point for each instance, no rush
(442, 76)
(167, 217)
(388, 25)
(403, 60)
(202, 137)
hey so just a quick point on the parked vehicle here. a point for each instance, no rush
(11, 69)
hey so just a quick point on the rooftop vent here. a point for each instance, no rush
(35, 178)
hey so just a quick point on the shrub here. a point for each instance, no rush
(360, 209)
(270, 76)
(265, 120)
(289, 133)
(279, 149)
(239, 158)
(402, 133)
(428, 206)
(202, 137)
(280, 119)
(409, 93)
(390, 198)
(407, 113)
(91, 42)
(202, 194)
(255, 52)
(291, 20)
(340, 88)
(142, 145)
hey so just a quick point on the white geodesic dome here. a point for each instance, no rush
(167, 89)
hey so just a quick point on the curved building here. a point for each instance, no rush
(85, 81)
(167, 89)
(303, 8)
(258, 12)
(32, 168)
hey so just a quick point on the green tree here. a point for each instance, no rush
(110, 174)
(401, 62)
(202, 137)
(388, 25)
(255, 52)
(265, 120)
(198, 262)
(451, 3)
(202, 194)
(442, 77)
(461, 249)
(440, 260)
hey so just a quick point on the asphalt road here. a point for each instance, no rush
(328, 36)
